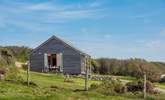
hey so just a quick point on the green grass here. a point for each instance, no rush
(53, 87)
(43, 79)
(128, 78)
(160, 85)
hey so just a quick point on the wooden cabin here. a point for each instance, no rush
(56, 55)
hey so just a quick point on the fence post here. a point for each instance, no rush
(28, 74)
(145, 82)
(86, 74)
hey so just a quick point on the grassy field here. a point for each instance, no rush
(160, 85)
(53, 87)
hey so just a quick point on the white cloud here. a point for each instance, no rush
(156, 44)
(61, 8)
(49, 12)
(40, 6)
(33, 15)
(151, 45)
(74, 14)
(47, 6)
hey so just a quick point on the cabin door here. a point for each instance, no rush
(60, 62)
(45, 62)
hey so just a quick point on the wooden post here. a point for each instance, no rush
(28, 74)
(145, 82)
(90, 70)
(86, 75)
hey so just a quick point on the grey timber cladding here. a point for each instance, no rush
(72, 57)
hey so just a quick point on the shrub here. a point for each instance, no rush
(109, 87)
(12, 75)
(94, 86)
(139, 85)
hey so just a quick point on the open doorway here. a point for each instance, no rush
(54, 62)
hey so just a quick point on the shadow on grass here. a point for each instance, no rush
(79, 90)
(22, 82)
(30, 84)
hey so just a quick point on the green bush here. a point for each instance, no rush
(139, 86)
(112, 87)
(94, 86)
(12, 74)
(7, 66)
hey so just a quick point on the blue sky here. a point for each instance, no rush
(103, 28)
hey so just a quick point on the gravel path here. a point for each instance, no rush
(160, 90)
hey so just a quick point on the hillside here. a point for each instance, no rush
(129, 67)
(160, 65)
(18, 53)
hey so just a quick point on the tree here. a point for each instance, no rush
(104, 66)
(95, 66)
